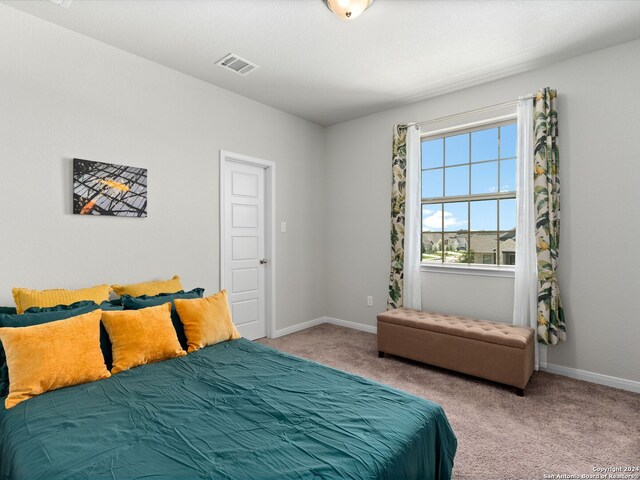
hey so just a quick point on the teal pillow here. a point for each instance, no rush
(136, 303)
(111, 305)
(106, 305)
(8, 310)
(38, 316)
(116, 302)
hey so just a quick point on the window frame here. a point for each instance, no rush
(469, 268)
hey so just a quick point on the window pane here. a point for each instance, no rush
(432, 247)
(484, 215)
(432, 183)
(484, 145)
(455, 247)
(508, 214)
(508, 138)
(484, 177)
(432, 218)
(456, 181)
(456, 149)
(456, 216)
(508, 175)
(432, 153)
(483, 248)
(508, 248)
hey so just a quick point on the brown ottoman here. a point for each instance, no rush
(496, 351)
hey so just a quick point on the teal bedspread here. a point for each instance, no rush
(236, 410)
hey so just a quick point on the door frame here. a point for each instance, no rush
(269, 227)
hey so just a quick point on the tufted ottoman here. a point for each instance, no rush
(495, 351)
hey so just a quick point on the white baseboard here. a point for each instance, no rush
(353, 325)
(317, 321)
(600, 379)
(296, 328)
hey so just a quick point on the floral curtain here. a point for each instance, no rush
(398, 199)
(551, 325)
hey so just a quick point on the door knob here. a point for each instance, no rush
(263, 261)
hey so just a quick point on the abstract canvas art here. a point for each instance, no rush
(109, 189)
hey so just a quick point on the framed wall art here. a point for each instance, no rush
(109, 189)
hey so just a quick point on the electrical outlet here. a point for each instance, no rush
(369, 301)
(283, 227)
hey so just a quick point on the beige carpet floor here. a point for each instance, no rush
(561, 426)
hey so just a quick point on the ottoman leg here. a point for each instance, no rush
(520, 392)
(380, 354)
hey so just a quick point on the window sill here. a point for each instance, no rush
(507, 271)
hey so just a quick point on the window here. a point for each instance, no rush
(469, 195)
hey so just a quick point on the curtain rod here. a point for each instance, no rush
(471, 112)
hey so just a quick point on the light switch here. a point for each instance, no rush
(283, 227)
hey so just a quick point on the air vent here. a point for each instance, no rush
(235, 63)
(62, 3)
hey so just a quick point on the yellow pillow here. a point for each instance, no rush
(53, 355)
(206, 320)
(172, 285)
(141, 336)
(26, 298)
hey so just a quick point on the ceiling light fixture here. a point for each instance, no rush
(347, 9)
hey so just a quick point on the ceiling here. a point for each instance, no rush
(327, 70)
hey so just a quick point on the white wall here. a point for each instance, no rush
(63, 95)
(485, 297)
(599, 270)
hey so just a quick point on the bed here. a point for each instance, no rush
(235, 410)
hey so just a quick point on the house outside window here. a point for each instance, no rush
(469, 195)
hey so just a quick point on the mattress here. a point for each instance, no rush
(236, 410)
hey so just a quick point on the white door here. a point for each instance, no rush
(244, 247)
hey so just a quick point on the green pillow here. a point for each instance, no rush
(136, 303)
(38, 316)
(8, 310)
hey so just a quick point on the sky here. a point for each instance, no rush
(454, 152)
